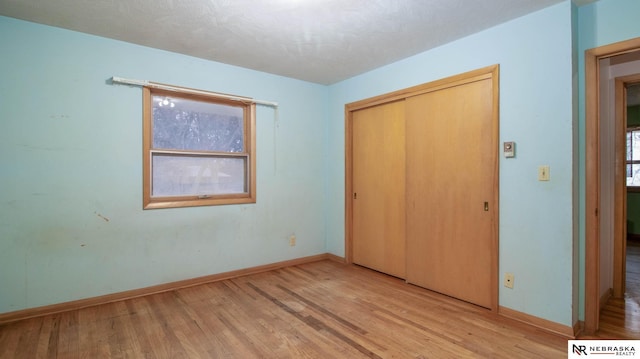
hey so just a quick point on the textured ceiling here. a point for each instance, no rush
(322, 41)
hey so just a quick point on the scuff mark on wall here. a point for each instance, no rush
(101, 216)
(59, 116)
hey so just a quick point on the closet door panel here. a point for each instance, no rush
(451, 150)
(379, 188)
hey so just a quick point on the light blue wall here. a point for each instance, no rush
(601, 23)
(536, 111)
(71, 158)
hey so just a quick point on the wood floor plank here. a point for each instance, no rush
(620, 317)
(25, 348)
(323, 309)
(139, 321)
(42, 347)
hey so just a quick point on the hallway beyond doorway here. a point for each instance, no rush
(620, 317)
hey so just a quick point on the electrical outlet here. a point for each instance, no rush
(508, 280)
(292, 240)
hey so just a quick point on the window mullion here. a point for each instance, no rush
(198, 153)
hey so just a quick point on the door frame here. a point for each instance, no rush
(619, 242)
(490, 72)
(592, 178)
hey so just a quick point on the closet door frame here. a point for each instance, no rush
(491, 72)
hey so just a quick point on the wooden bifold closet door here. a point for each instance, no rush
(424, 185)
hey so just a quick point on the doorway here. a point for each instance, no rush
(601, 207)
(627, 174)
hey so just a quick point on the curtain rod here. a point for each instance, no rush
(157, 85)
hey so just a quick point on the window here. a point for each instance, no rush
(633, 157)
(199, 150)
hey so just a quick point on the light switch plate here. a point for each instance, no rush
(543, 173)
(509, 149)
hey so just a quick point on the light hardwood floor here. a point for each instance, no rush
(323, 309)
(620, 318)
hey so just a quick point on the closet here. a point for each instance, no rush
(422, 185)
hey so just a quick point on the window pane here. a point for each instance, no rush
(635, 145)
(181, 124)
(196, 176)
(633, 174)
